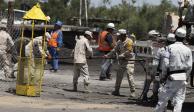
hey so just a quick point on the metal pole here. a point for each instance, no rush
(80, 13)
(10, 18)
(86, 12)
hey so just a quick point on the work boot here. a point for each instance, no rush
(154, 98)
(75, 87)
(102, 78)
(86, 88)
(55, 70)
(116, 93)
(51, 69)
(132, 95)
(108, 76)
(145, 98)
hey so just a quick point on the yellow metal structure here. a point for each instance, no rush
(31, 69)
(35, 14)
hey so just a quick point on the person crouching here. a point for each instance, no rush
(80, 63)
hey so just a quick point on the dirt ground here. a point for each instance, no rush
(57, 95)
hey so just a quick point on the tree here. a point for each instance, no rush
(138, 20)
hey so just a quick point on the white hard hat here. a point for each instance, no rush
(89, 33)
(48, 18)
(180, 32)
(153, 32)
(110, 25)
(171, 37)
(118, 34)
(122, 31)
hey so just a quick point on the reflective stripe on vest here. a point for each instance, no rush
(103, 45)
(53, 40)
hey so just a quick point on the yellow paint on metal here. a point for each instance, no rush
(27, 90)
(28, 81)
(35, 14)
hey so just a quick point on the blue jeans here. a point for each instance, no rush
(105, 68)
(54, 61)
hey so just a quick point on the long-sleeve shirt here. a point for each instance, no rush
(162, 60)
(6, 42)
(180, 58)
(123, 50)
(80, 50)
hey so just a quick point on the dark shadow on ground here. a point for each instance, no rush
(11, 91)
(141, 103)
(188, 107)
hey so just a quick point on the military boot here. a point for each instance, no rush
(86, 88)
(132, 95)
(116, 92)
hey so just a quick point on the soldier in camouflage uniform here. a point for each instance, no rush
(6, 45)
(124, 51)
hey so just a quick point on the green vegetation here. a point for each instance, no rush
(138, 20)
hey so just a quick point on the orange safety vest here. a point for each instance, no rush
(103, 45)
(53, 40)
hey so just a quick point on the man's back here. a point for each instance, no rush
(180, 57)
(82, 45)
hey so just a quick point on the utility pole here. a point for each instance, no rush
(86, 12)
(10, 16)
(80, 13)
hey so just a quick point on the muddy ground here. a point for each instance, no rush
(57, 95)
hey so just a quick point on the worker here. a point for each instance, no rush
(80, 63)
(162, 57)
(35, 47)
(152, 67)
(179, 66)
(6, 45)
(54, 45)
(124, 50)
(106, 43)
(35, 54)
(189, 17)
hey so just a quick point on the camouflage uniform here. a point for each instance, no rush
(6, 44)
(80, 63)
(124, 51)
